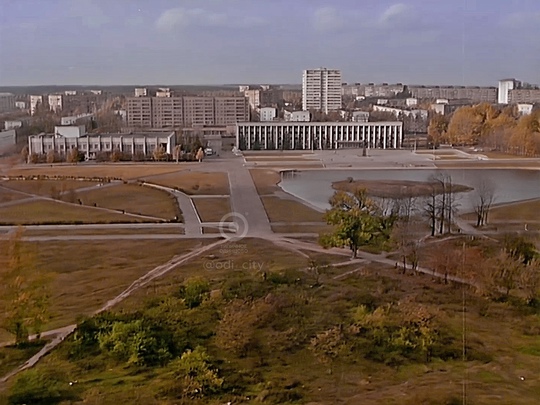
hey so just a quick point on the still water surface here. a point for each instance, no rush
(315, 186)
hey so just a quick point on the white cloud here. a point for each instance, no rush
(327, 19)
(394, 13)
(183, 17)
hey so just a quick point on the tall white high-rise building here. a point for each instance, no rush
(321, 90)
(505, 86)
(55, 102)
(34, 102)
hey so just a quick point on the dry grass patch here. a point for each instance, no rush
(124, 171)
(8, 196)
(45, 211)
(85, 275)
(284, 210)
(134, 199)
(114, 231)
(197, 183)
(212, 209)
(395, 188)
(298, 228)
(527, 211)
(47, 188)
(487, 164)
(266, 180)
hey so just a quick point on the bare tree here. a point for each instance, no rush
(484, 195)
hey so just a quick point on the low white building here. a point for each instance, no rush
(96, 92)
(72, 119)
(411, 102)
(360, 116)
(70, 92)
(21, 105)
(297, 116)
(122, 114)
(525, 108)
(267, 114)
(8, 139)
(92, 145)
(12, 125)
(397, 111)
(70, 131)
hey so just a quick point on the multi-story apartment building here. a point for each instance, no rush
(139, 112)
(267, 114)
(7, 102)
(321, 90)
(198, 111)
(505, 86)
(473, 93)
(524, 96)
(187, 111)
(167, 112)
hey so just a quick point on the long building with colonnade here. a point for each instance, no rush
(318, 135)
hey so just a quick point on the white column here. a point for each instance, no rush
(384, 137)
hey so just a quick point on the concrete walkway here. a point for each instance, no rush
(192, 221)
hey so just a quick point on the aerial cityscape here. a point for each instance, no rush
(236, 202)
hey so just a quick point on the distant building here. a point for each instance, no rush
(360, 116)
(321, 90)
(141, 92)
(523, 109)
(505, 86)
(70, 131)
(97, 92)
(475, 94)
(34, 102)
(264, 96)
(8, 139)
(55, 102)
(267, 114)
(318, 135)
(92, 145)
(21, 105)
(12, 125)
(83, 103)
(122, 114)
(382, 101)
(70, 92)
(163, 92)
(524, 96)
(7, 102)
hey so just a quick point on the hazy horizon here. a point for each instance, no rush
(218, 42)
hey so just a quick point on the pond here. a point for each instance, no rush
(315, 186)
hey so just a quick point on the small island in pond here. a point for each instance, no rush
(396, 188)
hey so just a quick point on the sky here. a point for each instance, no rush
(108, 42)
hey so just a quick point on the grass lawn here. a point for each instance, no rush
(264, 159)
(47, 188)
(394, 188)
(266, 180)
(11, 357)
(125, 171)
(283, 210)
(44, 211)
(85, 275)
(7, 196)
(197, 183)
(135, 199)
(212, 209)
